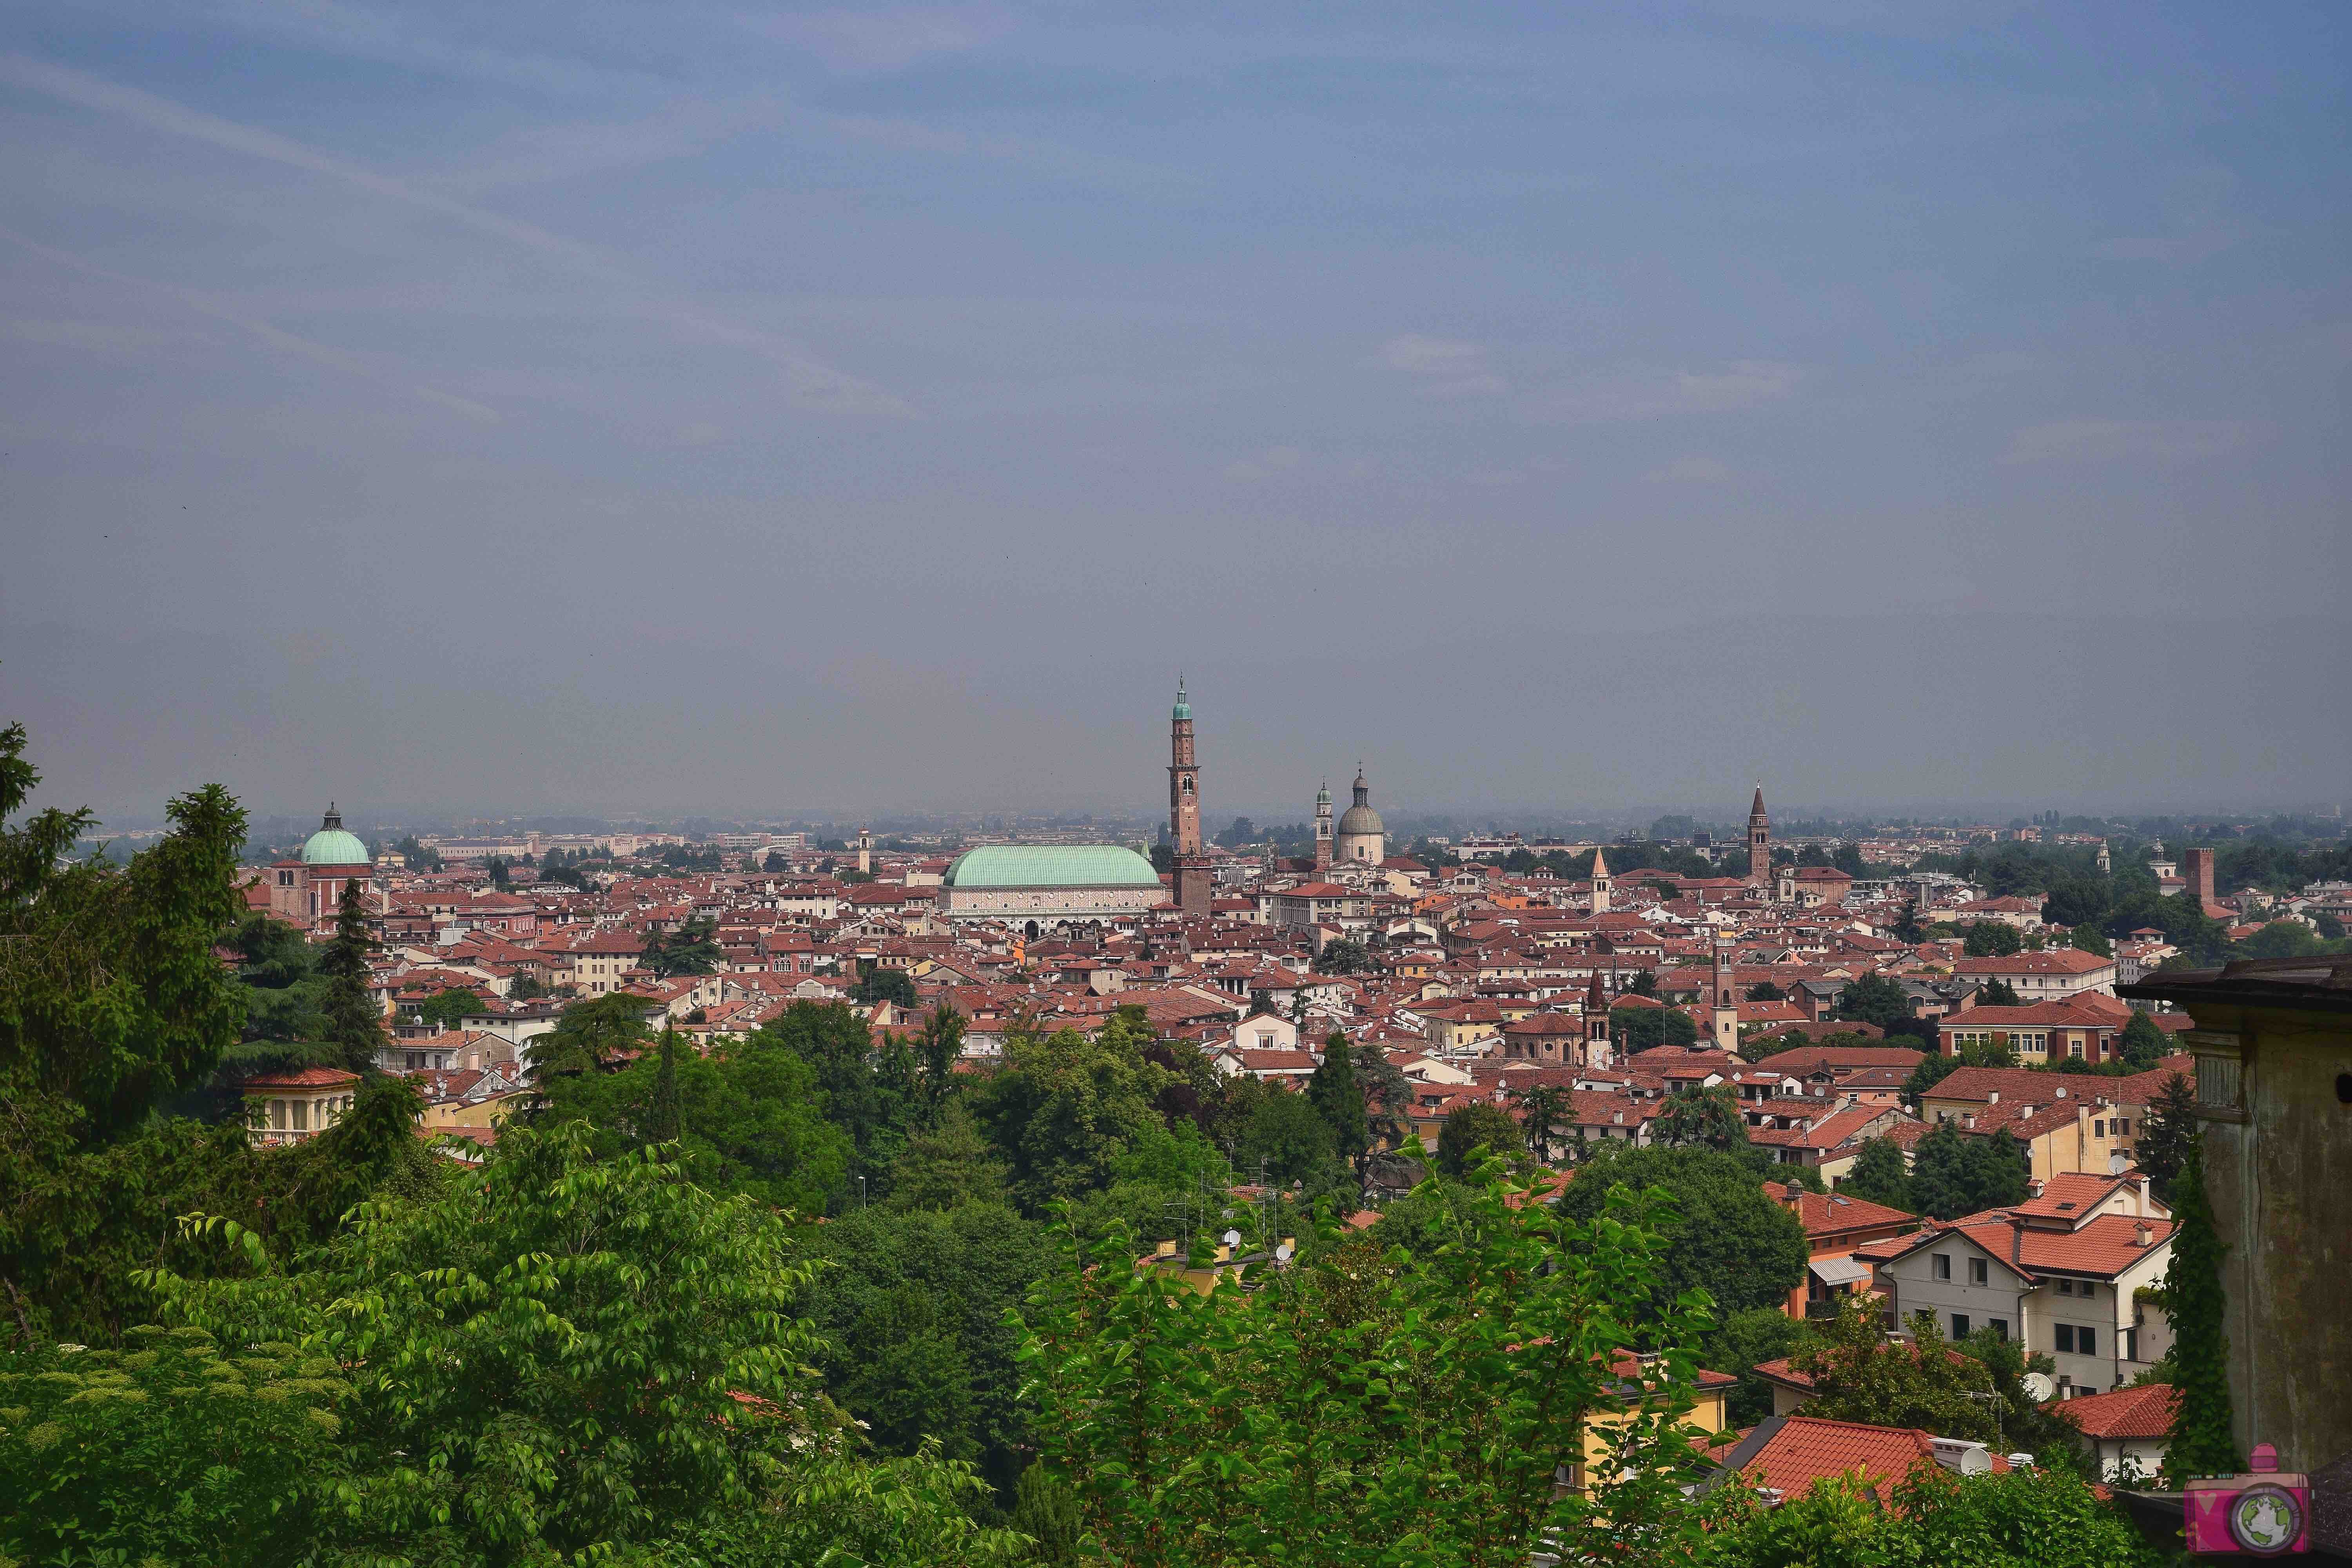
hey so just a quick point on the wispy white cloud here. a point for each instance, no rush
(1660, 395)
(812, 382)
(538, 153)
(2107, 441)
(375, 369)
(1446, 367)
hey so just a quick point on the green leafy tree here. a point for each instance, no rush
(2202, 1442)
(1992, 939)
(2090, 939)
(1954, 1175)
(1638, 1029)
(1859, 1376)
(2169, 1137)
(874, 1096)
(355, 1023)
(1343, 955)
(2023, 1423)
(487, 1423)
(1470, 1127)
(1878, 1177)
(1373, 1405)
(1545, 1114)
(1332, 1091)
(2144, 1045)
(945, 1165)
(1765, 991)
(663, 1123)
(877, 983)
(749, 1118)
(1738, 1342)
(591, 1036)
(1907, 929)
(1644, 982)
(168, 1449)
(1387, 1096)
(919, 1310)
(1064, 1107)
(2031, 1518)
(1286, 1140)
(1998, 994)
(446, 1008)
(691, 949)
(1725, 1237)
(937, 1051)
(1701, 1118)
(1873, 999)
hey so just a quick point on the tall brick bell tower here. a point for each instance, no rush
(1194, 884)
(1760, 843)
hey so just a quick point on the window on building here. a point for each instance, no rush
(1960, 1325)
(1977, 1273)
(1941, 1265)
(2131, 1344)
(2098, 1129)
(2066, 1338)
(2086, 1341)
(2065, 1287)
(2000, 1327)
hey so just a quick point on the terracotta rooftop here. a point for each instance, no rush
(302, 1077)
(1790, 1453)
(2143, 1412)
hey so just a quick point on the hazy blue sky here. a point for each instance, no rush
(654, 408)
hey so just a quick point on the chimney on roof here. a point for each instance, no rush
(1992, 1097)
(2142, 1234)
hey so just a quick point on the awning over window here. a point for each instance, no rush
(1836, 1271)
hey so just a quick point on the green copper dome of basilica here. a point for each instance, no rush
(1051, 866)
(330, 846)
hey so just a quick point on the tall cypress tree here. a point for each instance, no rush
(2201, 1443)
(662, 1123)
(355, 1023)
(1332, 1091)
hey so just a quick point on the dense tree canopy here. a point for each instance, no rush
(1953, 1174)
(1725, 1237)
(1637, 1029)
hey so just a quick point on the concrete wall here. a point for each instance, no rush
(2279, 1171)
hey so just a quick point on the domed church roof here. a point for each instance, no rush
(330, 846)
(1361, 817)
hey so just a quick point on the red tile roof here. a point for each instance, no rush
(302, 1077)
(1798, 1452)
(2143, 1412)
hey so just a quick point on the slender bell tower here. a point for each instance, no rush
(1194, 881)
(1323, 832)
(1760, 843)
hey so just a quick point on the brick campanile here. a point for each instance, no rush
(1760, 843)
(1194, 881)
(1323, 832)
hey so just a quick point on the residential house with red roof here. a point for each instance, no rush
(2128, 1431)
(2065, 1274)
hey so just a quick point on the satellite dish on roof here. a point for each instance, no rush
(1232, 1238)
(1282, 1253)
(2038, 1386)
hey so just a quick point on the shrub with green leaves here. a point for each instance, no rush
(1371, 1406)
(562, 1355)
(171, 1450)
